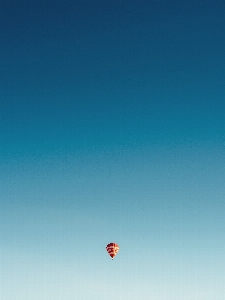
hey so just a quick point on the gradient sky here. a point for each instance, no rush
(112, 130)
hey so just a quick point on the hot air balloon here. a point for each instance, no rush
(112, 249)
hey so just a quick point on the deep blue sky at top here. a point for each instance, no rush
(76, 75)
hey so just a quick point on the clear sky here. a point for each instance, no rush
(112, 130)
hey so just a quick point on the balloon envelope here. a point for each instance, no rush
(112, 249)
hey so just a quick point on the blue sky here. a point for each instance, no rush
(112, 130)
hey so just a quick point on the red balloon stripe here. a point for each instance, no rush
(112, 249)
